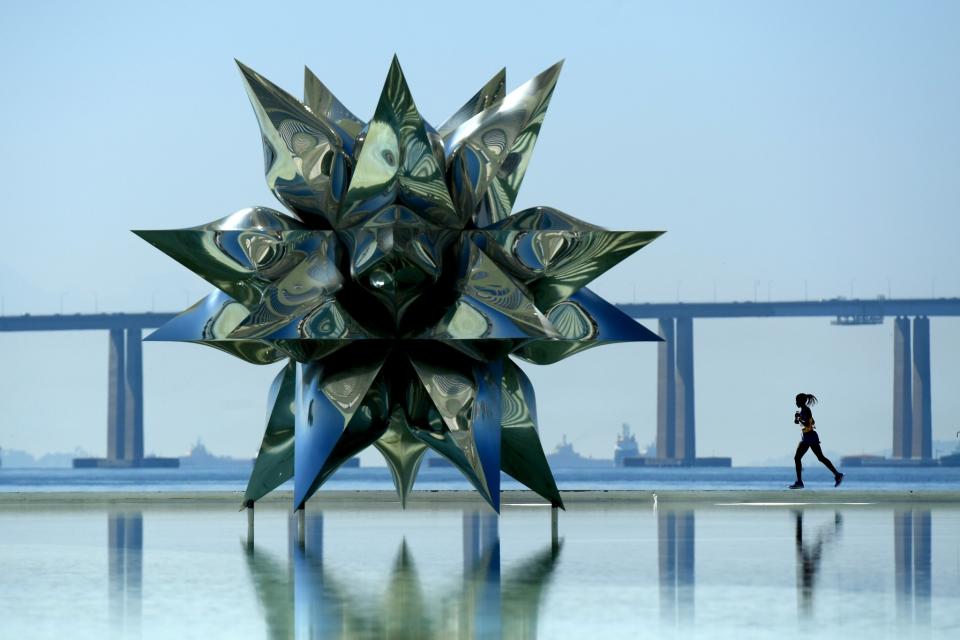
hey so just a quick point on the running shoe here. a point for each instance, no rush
(797, 485)
(837, 479)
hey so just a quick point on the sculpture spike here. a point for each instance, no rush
(236, 253)
(329, 393)
(321, 101)
(479, 148)
(585, 320)
(490, 93)
(555, 263)
(522, 456)
(304, 159)
(274, 463)
(531, 100)
(397, 163)
(210, 321)
(467, 397)
(403, 454)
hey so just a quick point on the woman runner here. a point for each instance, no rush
(810, 439)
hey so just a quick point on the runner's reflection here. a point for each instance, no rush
(809, 556)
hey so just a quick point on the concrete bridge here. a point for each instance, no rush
(676, 426)
(124, 377)
(912, 425)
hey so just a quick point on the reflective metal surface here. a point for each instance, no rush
(521, 453)
(321, 102)
(274, 464)
(467, 398)
(403, 453)
(402, 287)
(554, 263)
(306, 165)
(339, 412)
(489, 153)
(583, 321)
(489, 94)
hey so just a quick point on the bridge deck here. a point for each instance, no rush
(876, 309)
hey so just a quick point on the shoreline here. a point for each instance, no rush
(446, 498)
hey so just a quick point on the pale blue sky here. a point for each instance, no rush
(785, 147)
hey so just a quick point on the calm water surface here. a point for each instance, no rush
(710, 571)
(736, 478)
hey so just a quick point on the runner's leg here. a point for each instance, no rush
(817, 451)
(801, 449)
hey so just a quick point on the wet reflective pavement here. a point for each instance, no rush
(735, 570)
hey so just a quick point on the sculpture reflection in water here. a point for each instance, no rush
(304, 597)
(912, 554)
(125, 564)
(402, 287)
(675, 558)
(809, 556)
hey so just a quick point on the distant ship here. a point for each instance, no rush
(882, 460)
(628, 454)
(564, 457)
(952, 459)
(200, 458)
(626, 446)
(627, 449)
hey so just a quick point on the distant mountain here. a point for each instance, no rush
(17, 459)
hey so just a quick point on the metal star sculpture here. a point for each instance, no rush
(402, 287)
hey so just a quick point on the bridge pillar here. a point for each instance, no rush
(133, 417)
(666, 392)
(922, 446)
(125, 396)
(902, 405)
(686, 447)
(116, 396)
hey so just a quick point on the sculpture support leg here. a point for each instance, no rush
(250, 523)
(554, 527)
(301, 527)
